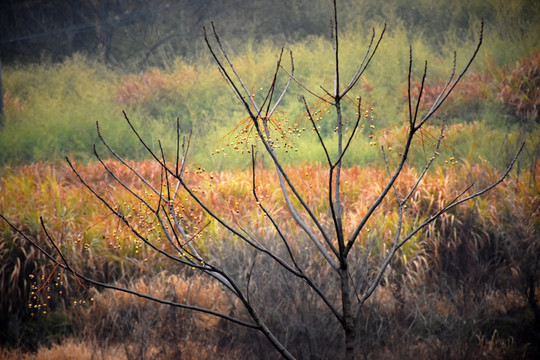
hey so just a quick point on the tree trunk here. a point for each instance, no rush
(348, 325)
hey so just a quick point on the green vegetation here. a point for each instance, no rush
(51, 108)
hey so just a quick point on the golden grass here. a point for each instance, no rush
(69, 349)
(99, 245)
(95, 240)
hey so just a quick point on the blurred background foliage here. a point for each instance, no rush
(135, 33)
(68, 64)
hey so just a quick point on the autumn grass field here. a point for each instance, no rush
(466, 287)
(461, 288)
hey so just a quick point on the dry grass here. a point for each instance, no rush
(154, 84)
(69, 349)
(516, 86)
(454, 291)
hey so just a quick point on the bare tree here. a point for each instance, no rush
(329, 238)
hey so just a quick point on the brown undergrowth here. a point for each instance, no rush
(467, 287)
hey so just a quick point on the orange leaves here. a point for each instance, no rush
(520, 87)
(517, 86)
(472, 88)
(13, 104)
(155, 84)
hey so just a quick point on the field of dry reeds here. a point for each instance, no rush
(467, 287)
